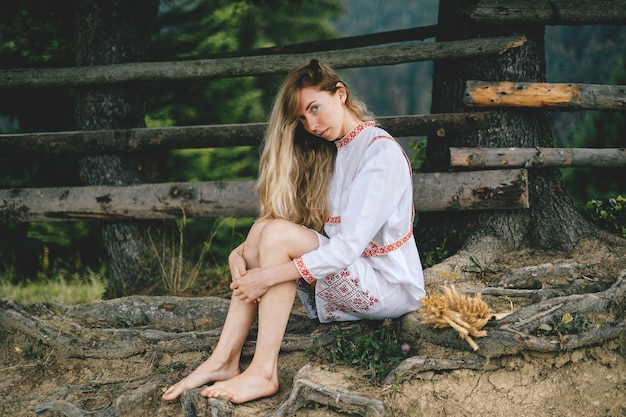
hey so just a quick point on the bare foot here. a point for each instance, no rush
(242, 388)
(203, 374)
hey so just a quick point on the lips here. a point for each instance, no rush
(324, 133)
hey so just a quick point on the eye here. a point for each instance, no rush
(301, 119)
(315, 108)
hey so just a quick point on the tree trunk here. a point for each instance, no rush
(111, 32)
(552, 221)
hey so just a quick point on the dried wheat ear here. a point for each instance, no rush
(467, 315)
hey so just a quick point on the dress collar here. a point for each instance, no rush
(353, 133)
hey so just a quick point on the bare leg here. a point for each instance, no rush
(281, 241)
(224, 361)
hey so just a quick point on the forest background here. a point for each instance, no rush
(38, 33)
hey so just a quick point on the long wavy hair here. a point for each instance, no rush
(296, 166)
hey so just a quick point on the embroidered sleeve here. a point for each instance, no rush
(306, 274)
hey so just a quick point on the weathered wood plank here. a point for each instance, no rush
(212, 136)
(474, 190)
(477, 190)
(579, 12)
(485, 158)
(250, 65)
(549, 95)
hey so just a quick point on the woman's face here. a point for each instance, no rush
(322, 113)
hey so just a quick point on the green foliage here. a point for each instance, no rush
(377, 350)
(29, 352)
(430, 258)
(601, 129)
(569, 323)
(191, 29)
(418, 155)
(36, 34)
(609, 214)
(58, 233)
(220, 164)
(39, 251)
(62, 288)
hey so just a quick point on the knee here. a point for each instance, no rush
(285, 239)
(259, 225)
(264, 234)
(275, 233)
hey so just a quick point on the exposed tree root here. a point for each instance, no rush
(306, 391)
(120, 407)
(194, 405)
(455, 267)
(523, 330)
(68, 328)
(417, 364)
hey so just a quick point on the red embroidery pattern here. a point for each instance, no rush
(376, 250)
(306, 274)
(333, 220)
(353, 133)
(343, 294)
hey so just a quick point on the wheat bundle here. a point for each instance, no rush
(466, 315)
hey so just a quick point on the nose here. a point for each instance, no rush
(310, 123)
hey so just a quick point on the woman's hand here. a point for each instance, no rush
(250, 287)
(237, 263)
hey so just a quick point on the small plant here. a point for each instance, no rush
(377, 350)
(568, 323)
(176, 276)
(609, 214)
(433, 257)
(480, 270)
(29, 352)
(418, 148)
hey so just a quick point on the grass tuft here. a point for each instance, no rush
(59, 289)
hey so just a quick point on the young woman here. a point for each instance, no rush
(325, 165)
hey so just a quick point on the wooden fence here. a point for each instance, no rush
(498, 178)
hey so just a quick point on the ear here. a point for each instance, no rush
(342, 91)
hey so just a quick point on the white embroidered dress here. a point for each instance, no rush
(367, 265)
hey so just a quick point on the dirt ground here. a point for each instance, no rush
(584, 382)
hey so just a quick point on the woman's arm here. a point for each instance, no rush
(251, 286)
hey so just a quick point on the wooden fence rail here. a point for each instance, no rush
(485, 158)
(579, 12)
(477, 190)
(212, 136)
(252, 65)
(546, 95)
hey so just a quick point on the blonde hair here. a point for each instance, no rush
(295, 166)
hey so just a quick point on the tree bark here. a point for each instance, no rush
(113, 32)
(552, 221)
